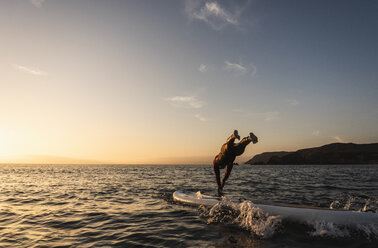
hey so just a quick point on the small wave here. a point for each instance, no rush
(329, 229)
(321, 228)
(245, 215)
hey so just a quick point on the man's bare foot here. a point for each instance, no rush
(253, 138)
(220, 192)
(236, 134)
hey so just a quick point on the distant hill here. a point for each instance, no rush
(336, 153)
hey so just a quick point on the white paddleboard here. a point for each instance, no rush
(291, 213)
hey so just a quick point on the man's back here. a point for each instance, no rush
(227, 154)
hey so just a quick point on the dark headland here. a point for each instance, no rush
(336, 153)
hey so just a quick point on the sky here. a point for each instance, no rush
(161, 82)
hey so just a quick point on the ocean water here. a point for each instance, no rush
(132, 206)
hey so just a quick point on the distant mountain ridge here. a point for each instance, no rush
(335, 153)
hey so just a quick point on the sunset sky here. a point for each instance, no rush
(168, 81)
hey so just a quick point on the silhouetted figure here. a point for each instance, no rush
(227, 155)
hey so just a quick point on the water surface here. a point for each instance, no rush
(131, 206)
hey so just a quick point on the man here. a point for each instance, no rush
(227, 155)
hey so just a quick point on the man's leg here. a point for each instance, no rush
(227, 174)
(231, 139)
(217, 175)
(240, 148)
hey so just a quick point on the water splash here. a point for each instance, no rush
(199, 195)
(245, 215)
(370, 206)
(358, 203)
(254, 219)
(248, 216)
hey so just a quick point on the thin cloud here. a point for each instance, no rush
(203, 68)
(266, 116)
(338, 139)
(37, 3)
(316, 133)
(234, 67)
(254, 70)
(211, 13)
(201, 118)
(293, 102)
(270, 116)
(239, 68)
(238, 110)
(185, 102)
(29, 70)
